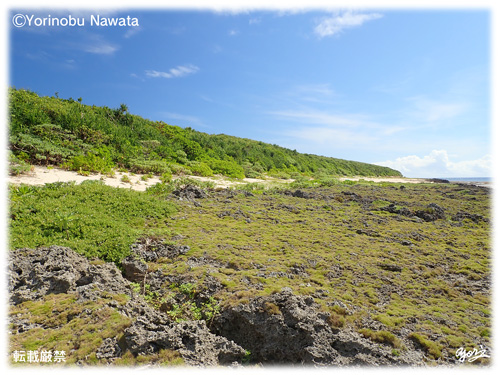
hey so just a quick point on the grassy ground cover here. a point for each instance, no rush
(393, 261)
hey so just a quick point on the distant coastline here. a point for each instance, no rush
(477, 181)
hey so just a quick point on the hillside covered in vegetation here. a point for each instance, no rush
(69, 134)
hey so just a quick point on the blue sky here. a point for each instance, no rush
(409, 89)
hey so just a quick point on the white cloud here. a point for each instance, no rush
(331, 137)
(97, 45)
(338, 22)
(438, 164)
(179, 71)
(186, 120)
(322, 132)
(233, 32)
(333, 121)
(131, 32)
(433, 111)
(101, 48)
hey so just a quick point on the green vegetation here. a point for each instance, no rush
(336, 243)
(402, 272)
(381, 336)
(72, 327)
(353, 244)
(67, 133)
(91, 218)
(431, 347)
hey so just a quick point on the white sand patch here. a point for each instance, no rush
(43, 175)
(395, 180)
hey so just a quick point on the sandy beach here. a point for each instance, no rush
(43, 175)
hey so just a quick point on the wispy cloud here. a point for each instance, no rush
(233, 32)
(101, 48)
(334, 121)
(185, 120)
(179, 71)
(131, 32)
(310, 93)
(439, 164)
(321, 132)
(341, 21)
(254, 21)
(96, 44)
(435, 111)
(54, 60)
(332, 137)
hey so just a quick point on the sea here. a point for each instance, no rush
(478, 181)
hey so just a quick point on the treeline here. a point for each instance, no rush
(67, 133)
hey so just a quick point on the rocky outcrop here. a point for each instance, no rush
(192, 339)
(281, 328)
(287, 329)
(150, 250)
(55, 269)
(190, 193)
(34, 273)
(432, 212)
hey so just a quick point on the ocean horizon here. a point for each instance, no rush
(468, 179)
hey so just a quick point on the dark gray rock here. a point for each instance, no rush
(461, 215)
(393, 209)
(150, 250)
(432, 212)
(192, 339)
(109, 349)
(34, 273)
(190, 192)
(134, 269)
(288, 329)
(390, 267)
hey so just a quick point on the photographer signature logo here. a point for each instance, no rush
(471, 355)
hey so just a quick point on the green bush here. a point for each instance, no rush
(95, 161)
(91, 218)
(199, 168)
(157, 167)
(161, 189)
(431, 347)
(279, 174)
(226, 167)
(17, 165)
(384, 337)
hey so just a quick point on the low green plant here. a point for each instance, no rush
(432, 348)
(125, 178)
(336, 320)
(199, 168)
(384, 337)
(141, 165)
(91, 218)
(160, 189)
(96, 160)
(247, 357)
(188, 307)
(17, 165)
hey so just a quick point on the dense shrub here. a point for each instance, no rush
(199, 168)
(226, 167)
(95, 161)
(52, 131)
(91, 218)
(141, 165)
